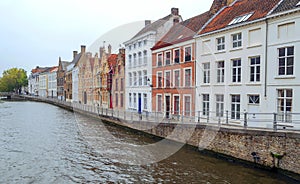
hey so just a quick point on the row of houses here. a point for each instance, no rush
(239, 56)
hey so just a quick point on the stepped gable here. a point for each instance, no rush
(183, 31)
(259, 8)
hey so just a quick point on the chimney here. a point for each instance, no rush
(82, 49)
(147, 22)
(109, 49)
(101, 50)
(74, 54)
(122, 51)
(175, 11)
(218, 4)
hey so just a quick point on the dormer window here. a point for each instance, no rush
(240, 19)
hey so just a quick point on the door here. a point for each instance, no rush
(168, 106)
(139, 103)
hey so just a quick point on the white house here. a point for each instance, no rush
(283, 80)
(138, 65)
(231, 63)
(43, 84)
(52, 83)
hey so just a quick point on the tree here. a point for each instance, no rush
(13, 80)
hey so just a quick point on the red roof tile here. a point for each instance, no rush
(183, 31)
(260, 9)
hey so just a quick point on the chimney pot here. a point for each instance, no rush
(74, 54)
(147, 22)
(174, 11)
(82, 49)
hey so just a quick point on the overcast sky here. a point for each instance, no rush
(36, 32)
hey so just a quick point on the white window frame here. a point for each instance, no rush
(205, 104)
(220, 44)
(206, 72)
(257, 69)
(170, 59)
(165, 78)
(145, 100)
(285, 57)
(238, 41)
(184, 107)
(157, 78)
(173, 102)
(235, 115)
(159, 55)
(191, 77)
(191, 54)
(174, 80)
(220, 72)
(175, 55)
(157, 95)
(237, 72)
(220, 105)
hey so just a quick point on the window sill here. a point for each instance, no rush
(285, 77)
(220, 52)
(235, 84)
(207, 54)
(254, 46)
(221, 84)
(253, 84)
(236, 49)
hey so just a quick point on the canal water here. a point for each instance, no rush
(41, 143)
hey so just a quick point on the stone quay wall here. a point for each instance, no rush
(267, 148)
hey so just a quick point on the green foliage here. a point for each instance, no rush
(13, 80)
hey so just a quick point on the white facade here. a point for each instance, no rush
(75, 73)
(230, 76)
(138, 70)
(283, 81)
(43, 85)
(52, 84)
(33, 84)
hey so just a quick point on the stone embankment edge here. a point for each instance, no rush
(278, 151)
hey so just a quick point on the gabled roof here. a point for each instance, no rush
(286, 5)
(258, 8)
(183, 31)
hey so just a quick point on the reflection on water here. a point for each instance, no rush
(40, 143)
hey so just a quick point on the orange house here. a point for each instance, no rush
(173, 69)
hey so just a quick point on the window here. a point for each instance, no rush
(140, 43)
(129, 47)
(122, 84)
(237, 40)
(219, 105)
(145, 57)
(145, 77)
(130, 79)
(159, 103)
(140, 78)
(145, 101)
(121, 100)
(167, 79)
(140, 58)
(159, 59)
(286, 61)
(134, 60)
(240, 19)
(130, 100)
(206, 73)
(145, 42)
(117, 84)
(254, 99)
(168, 58)
(176, 78)
(188, 53)
(187, 105)
(221, 44)
(134, 100)
(134, 79)
(188, 77)
(284, 104)
(176, 105)
(220, 71)
(236, 71)
(177, 56)
(286, 31)
(255, 69)
(235, 107)
(205, 104)
(255, 37)
(159, 79)
(130, 61)
(117, 100)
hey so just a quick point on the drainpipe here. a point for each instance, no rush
(266, 58)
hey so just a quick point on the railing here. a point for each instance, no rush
(244, 120)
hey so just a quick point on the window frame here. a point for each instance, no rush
(220, 42)
(190, 55)
(237, 40)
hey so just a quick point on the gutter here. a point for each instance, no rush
(266, 58)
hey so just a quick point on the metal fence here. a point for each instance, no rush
(271, 121)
